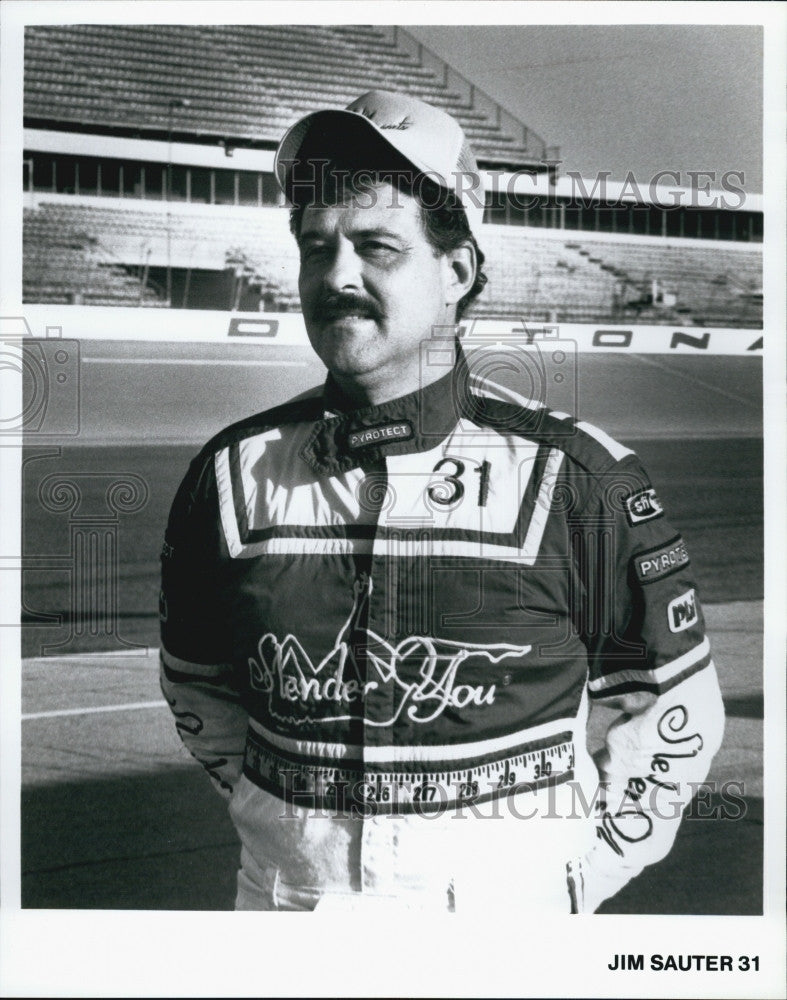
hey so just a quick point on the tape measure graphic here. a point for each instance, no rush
(370, 789)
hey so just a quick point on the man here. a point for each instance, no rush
(387, 603)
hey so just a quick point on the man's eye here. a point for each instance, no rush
(376, 248)
(313, 251)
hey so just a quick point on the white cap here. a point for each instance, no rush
(428, 138)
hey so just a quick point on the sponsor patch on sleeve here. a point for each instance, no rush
(682, 612)
(642, 506)
(655, 564)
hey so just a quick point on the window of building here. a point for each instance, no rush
(43, 172)
(639, 220)
(495, 211)
(551, 214)
(88, 176)
(271, 192)
(724, 225)
(154, 180)
(200, 184)
(587, 218)
(674, 220)
(655, 220)
(695, 226)
(248, 187)
(110, 178)
(604, 219)
(571, 217)
(533, 214)
(178, 182)
(66, 175)
(131, 186)
(224, 187)
(624, 218)
(516, 210)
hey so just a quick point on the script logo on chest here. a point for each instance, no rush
(421, 676)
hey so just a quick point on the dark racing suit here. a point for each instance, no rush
(381, 629)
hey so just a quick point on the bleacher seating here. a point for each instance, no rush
(198, 241)
(248, 81)
(713, 285)
(535, 274)
(65, 261)
(246, 84)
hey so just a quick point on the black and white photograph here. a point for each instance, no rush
(392, 449)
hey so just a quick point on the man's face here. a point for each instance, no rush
(372, 288)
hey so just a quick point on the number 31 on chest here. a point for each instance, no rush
(451, 488)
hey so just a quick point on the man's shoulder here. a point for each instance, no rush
(306, 406)
(588, 446)
(200, 481)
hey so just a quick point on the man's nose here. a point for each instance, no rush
(344, 267)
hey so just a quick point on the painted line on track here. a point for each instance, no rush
(194, 361)
(146, 652)
(129, 707)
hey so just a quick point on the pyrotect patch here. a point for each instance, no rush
(655, 564)
(402, 430)
(682, 612)
(642, 506)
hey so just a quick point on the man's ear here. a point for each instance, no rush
(462, 266)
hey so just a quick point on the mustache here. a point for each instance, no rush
(334, 306)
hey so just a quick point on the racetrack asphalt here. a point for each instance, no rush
(116, 815)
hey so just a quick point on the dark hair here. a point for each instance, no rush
(444, 219)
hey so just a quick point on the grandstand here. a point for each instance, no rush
(148, 180)
(245, 84)
(244, 258)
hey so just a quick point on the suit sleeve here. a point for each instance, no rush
(196, 672)
(650, 659)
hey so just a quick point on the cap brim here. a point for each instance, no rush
(287, 153)
(290, 145)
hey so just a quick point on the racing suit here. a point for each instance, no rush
(382, 628)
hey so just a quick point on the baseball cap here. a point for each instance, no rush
(428, 138)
